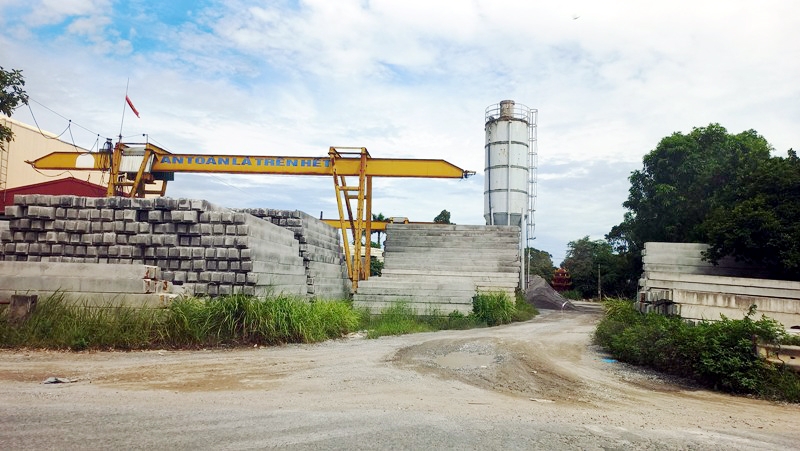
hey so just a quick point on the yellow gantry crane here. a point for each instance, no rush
(138, 170)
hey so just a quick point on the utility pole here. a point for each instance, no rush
(599, 291)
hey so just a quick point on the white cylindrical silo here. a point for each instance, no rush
(507, 173)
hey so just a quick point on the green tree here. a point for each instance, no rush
(11, 96)
(682, 181)
(585, 257)
(760, 224)
(443, 218)
(540, 263)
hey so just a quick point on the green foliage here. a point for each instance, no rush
(493, 308)
(574, 295)
(713, 187)
(11, 96)
(375, 266)
(522, 310)
(717, 354)
(584, 258)
(539, 263)
(442, 218)
(760, 223)
(191, 322)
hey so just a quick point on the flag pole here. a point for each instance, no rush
(123, 109)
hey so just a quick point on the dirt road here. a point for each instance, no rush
(533, 385)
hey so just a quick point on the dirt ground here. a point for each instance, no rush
(533, 385)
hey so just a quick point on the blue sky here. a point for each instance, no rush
(411, 79)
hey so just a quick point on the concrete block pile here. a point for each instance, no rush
(88, 284)
(677, 281)
(320, 248)
(436, 267)
(199, 246)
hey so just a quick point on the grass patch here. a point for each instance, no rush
(397, 319)
(716, 354)
(488, 309)
(237, 320)
(192, 322)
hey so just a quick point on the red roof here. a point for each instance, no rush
(58, 187)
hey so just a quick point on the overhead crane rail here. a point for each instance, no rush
(138, 170)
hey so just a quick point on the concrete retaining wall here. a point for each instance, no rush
(204, 249)
(677, 281)
(441, 267)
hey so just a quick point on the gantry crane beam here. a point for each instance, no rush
(251, 164)
(132, 167)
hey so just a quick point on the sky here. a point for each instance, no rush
(409, 79)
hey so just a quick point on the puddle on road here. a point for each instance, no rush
(456, 360)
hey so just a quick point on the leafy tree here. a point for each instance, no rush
(539, 263)
(717, 188)
(585, 257)
(761, 222)
(443, 218)
(11, 96)
(378, 217)
(682, 180)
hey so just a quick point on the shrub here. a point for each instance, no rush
(493, 308)
(717, 354)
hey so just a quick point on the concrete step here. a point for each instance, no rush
(49, 269)
(108, 284)
(488, 267)
(102, 299)
(449, 273)
(421, 308)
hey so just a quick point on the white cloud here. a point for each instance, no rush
(411, 79)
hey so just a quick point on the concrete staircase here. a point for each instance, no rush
(441, 267)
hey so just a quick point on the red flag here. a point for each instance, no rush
(130, 104)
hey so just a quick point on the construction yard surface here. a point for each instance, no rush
(533, 385)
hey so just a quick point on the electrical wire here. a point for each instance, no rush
(70, 123)
(59, 115)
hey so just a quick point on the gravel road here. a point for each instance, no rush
(533, 385)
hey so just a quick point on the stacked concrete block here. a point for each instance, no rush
(687, 258)
(88, 283)
(678, 281)
(320, 248)
(441, 267)
(205, 249)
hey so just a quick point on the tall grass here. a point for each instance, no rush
(236, 320)
(488, 309)
(493, 308)
(191, 322)
(716, 354)
(57, 324)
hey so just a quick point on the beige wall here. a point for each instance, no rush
(30, 144)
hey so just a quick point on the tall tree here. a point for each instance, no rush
(761, 222)
(586, 257)
(716, 188)
(540, 263)
(11, 96)
(683, 179)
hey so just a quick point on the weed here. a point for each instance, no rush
(493, 308)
